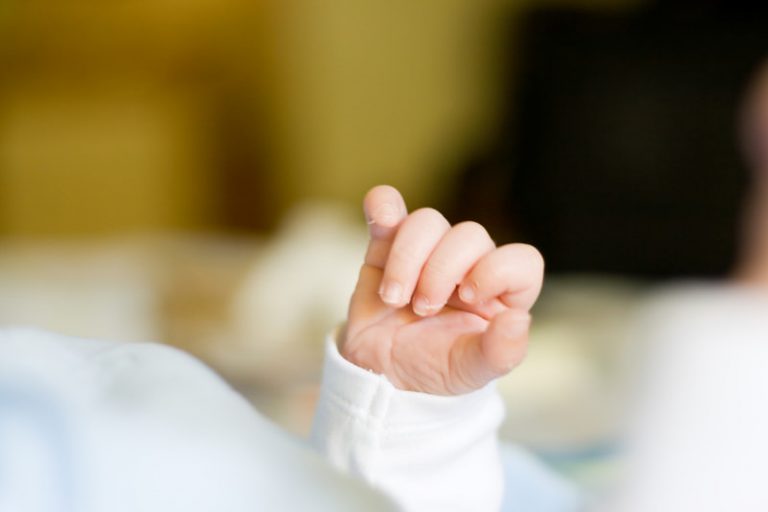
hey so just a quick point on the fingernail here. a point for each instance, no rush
(421, 306)
(391, 293)
(467, 293)
(386, 215)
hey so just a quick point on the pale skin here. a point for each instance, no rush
(438, 309)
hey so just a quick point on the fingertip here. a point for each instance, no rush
(384, 206)
(423, 307)
(468, 292)
(527, 255)
(382, 189)
(513, 323)
(386, 215)
(506, 343)
(391, 293)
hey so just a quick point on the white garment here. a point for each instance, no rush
(698, 438)
(429, 452)
(93, 426)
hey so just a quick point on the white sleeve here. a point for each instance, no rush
(427, 452)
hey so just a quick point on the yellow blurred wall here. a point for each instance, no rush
(106, 108)
(390, 92)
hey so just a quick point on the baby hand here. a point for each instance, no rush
(438, 309)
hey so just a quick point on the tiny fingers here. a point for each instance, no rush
(453, 257)
(415, 240)
(423, 259)
(513, 273)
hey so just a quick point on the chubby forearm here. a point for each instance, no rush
(427, 452)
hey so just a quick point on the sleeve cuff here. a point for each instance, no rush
(412, 445)
(368, 396)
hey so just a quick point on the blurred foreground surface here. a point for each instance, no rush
(257, 311)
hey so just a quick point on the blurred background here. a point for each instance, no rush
(191, 172)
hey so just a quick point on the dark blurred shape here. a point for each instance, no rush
(619, 151)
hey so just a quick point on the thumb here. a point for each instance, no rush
(505, 343)
(485, 356)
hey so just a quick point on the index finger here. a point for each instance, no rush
(384, 209)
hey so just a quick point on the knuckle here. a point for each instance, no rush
(437, 268)
(527, 254)
(471, 227)
(474, 234)
(496, 273)
(429, 215)
(402, 254)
